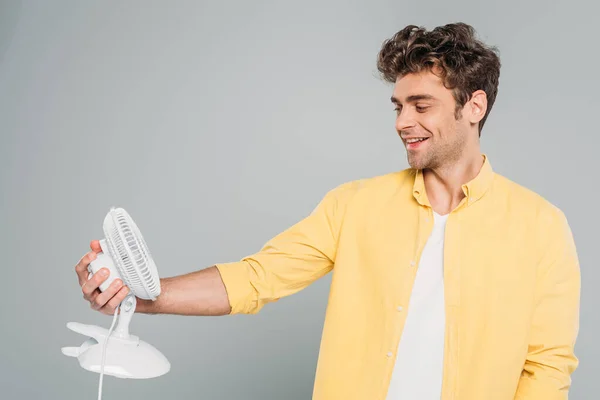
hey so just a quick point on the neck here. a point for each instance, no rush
(444, 184)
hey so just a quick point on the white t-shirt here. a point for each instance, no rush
(418, 370)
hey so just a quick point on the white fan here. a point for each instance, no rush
(125, 254)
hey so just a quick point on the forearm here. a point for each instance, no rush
(196, 293)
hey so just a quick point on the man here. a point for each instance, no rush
(448, 280)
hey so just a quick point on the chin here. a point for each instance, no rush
(416, 163)
(421, 163)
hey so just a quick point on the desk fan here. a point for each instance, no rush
(125, 254)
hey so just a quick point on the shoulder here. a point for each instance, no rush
(527, 198)
(529, 206)
(375, 185)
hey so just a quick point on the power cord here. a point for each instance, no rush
(104, 353)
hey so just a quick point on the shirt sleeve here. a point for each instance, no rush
(291, 260)
(550, 359)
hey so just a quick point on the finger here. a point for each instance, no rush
(96, 280)
(100, 300)
(92, 297)
(82, 266)
(95, 246)
(112, 304)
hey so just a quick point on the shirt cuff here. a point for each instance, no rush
(240, 292)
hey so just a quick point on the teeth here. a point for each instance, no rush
(415, 140)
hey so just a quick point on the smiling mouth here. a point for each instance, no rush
(415, 143)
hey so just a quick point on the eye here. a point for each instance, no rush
(421, 109)
(398, 109)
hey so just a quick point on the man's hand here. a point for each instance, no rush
(106, 302)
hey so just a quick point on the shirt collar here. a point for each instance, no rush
(473, 190)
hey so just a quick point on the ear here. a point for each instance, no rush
(477, 106)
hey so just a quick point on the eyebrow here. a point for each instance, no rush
(413, 98)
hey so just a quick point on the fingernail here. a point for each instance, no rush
(104, 272)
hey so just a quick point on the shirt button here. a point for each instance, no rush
(412, 263)
(399, 308)
(389, 354)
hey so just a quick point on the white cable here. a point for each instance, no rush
(104, 352)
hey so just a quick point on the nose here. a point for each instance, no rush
(405, 120)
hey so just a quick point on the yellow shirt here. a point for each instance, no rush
(511, 281)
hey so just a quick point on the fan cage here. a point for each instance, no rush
(130, 254)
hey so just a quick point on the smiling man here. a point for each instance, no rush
(448, 280)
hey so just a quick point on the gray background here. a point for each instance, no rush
(219, 124)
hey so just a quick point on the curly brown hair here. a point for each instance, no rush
(452, 51)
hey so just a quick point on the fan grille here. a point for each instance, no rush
(131, 255)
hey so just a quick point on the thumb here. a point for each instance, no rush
(95, 246)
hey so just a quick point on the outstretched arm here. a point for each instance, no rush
(286, 264)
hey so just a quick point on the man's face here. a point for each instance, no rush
(426, 109)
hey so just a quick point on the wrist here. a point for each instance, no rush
(144, 306)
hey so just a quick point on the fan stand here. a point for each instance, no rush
(127, 356)
(126, 310)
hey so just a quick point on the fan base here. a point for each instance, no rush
(128, 358)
